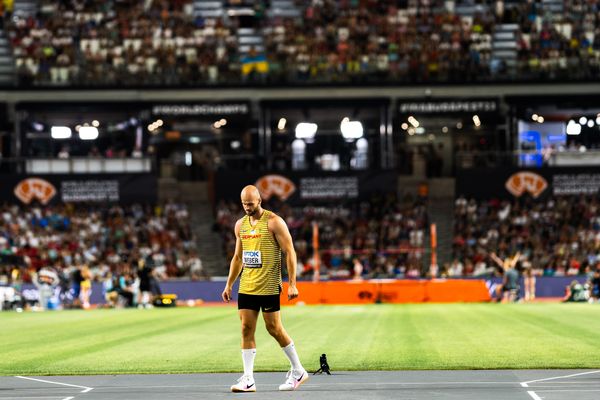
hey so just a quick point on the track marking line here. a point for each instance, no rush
(568, 390)
(533, 395)
(86, 388)
(526, 384)
(69, 398)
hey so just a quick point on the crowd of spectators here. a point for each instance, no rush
(382, 237)
(559, 236)
(121, 42)
(158, 42)
(110, 244)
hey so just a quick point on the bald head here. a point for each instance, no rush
(250, 192)
(251, 200)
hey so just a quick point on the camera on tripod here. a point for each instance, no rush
(324, 365)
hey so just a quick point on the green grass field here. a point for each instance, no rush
(375, 337)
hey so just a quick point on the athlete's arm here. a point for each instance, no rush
(282, 235)
(497, 260)
(236, 264)
(515, 259)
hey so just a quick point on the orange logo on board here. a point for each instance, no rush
(35, 188)
(522, 182)
(277, 185)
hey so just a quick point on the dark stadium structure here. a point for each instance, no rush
(424, 150)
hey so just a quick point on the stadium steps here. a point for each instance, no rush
(202, 219)
(283, 8)
(248, 38)
(554, 6)
(25, 8)
(440, 209)
(195, 196)
(504, 45)
(441, 213)
(7, 63)
(208, 9)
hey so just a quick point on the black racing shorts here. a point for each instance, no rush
(268, 303)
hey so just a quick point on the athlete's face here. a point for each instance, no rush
(250, 206)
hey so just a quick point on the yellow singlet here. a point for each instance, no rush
(261, 258)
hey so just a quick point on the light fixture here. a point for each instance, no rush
(281, 124)
(351, 129)
(306, 130)
(88, 133)
(583, 120)
(95, 123)
(404, 126)
(476, 120)
(573, 128)
(413, 121)
(60, 132)
(540, 119)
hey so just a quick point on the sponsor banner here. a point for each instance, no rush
(438, 106)
(305, 187)
(88, 188)
(218, 109)
(355, 292)
(510, 183)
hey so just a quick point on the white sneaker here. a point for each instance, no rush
(294, 380)
(244, 384)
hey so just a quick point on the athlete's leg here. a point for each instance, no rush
(275, 327)
(298, 374)
(248, 319)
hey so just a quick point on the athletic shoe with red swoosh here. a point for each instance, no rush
(293, 380)
(244, 384)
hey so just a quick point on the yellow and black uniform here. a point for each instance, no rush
(260, 282)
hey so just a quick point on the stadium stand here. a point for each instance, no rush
(556, 237)
(110, 240)
(321, 41)
(386, 235)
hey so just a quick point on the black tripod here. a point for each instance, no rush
(324, 365)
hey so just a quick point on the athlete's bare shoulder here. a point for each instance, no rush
(238, 224)
(275, 222)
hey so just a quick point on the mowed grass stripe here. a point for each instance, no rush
(383, 337)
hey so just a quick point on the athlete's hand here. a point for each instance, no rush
(292, 292)
(226, 295)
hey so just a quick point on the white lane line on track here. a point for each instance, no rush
(112, 387)
(533, 395)
(526, 384)
(85, 388)
(34, 397)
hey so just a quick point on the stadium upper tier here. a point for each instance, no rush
(198, 42)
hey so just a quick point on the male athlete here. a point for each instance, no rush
(261, 236)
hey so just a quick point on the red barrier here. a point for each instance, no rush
(389, 291)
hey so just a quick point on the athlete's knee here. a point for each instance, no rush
(247, 329)
(275, 329)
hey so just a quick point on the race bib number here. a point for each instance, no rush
(252, 259)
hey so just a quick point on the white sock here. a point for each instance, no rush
(248, 357)
(290, 352)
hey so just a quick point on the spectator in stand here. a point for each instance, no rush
(386, 232)
(162, 43)
(555, 236)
